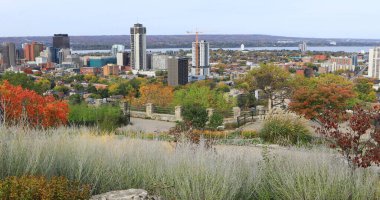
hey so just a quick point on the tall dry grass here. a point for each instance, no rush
(186, 172)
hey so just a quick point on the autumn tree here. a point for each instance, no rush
(23, 106)
(364, 89)
(272, 80)
(157, 94)
(312, 96)
(356, 135)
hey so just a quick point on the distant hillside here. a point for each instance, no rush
(184, 41)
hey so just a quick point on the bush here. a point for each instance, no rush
(285, 129)
(249, 134)
(196, 115)
(216, 120)
(106, 117)
(211, 134)
(38, 187)
(229, 126)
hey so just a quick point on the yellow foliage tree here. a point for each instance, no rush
(157, 94)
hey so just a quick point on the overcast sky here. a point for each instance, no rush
(301, 18)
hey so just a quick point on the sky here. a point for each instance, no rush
(294, 18)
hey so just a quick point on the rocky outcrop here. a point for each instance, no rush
(131, 194)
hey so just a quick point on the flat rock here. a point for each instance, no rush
(131, 194)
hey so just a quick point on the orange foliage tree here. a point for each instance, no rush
(312, 101)
(157, 94)
(18, 105)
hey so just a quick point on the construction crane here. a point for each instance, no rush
(197, 61)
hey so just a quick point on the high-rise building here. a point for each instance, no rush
(122, 59)
(355, 60)
(117, 48)
(33, 50)
(303, 47)
(202, 60)
(62, 55)
(159, 62)
(149, 61)
(61, 41)
(374, 63)
(178, 71)
(8, 54)
(138, 47)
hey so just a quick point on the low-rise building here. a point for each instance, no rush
(110, 69)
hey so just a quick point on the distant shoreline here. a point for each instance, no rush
(348, 49)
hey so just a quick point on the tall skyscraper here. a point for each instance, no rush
(303, 47)
(61, 41)
(138, 47)
(8, 54)
(374, 63)
(33, 50)
(117, 48)
(178, 71)
(122, 59)
(202, 60)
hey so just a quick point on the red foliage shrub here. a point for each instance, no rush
(356, 135)
(18, 105)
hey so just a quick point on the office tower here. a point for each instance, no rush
(61, 41)
(19, 56)
(33, 50)
(178, 71)
(8, 54)
(149, 61)
(303, 47)
(122, 59)
(355, 59)
(117, 48)
(138, 47)
(202, 60)
(374, 63)
(159, 62)
(62, 55)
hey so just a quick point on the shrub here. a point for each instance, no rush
(249, 134)
(285, 129)
(196, 115)
(207, 134)
(26, 107)
(216, 120)
(229, 126)
(106, 117)
(38, 187)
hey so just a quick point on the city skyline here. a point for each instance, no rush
(315, 19)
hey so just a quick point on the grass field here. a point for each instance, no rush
(182, 171)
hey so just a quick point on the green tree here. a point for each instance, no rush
(61, 88)
(75, 99)
(19, 79)
(364, 89)
(203, 96)
(42, 85)
(272, 80)
(196, 115)
(216, 120)
(91, 89)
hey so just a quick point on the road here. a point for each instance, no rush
(149, 126)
